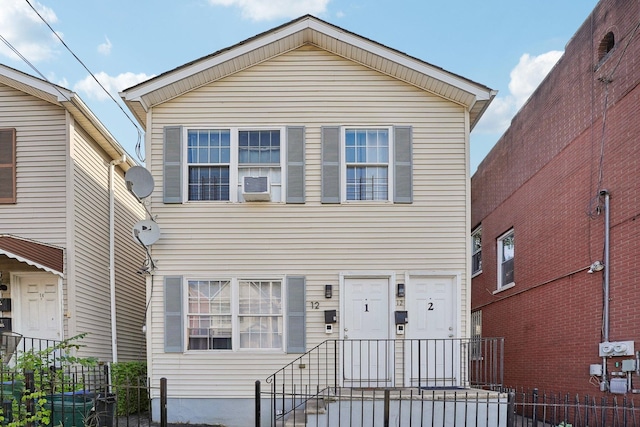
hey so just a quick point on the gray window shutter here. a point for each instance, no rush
(330, 165)
(295, 164)
(296, 316)
(403, 165)
(173, 320)
(172, 167)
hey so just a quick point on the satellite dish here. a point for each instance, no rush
(146, 232)
(139, 181)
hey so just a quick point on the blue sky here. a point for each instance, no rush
(507, 45)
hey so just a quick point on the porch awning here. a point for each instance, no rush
(40, 255)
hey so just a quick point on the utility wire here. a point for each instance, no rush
(139, 141)
(33, 67)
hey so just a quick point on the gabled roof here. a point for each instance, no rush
(308, 30)
(69, 100)
(45, 257)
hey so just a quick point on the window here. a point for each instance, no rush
(209, 158)
(7, 166)
(219, 157)
(209, 315)
(476, 335)
(260, 314)
(367, 164)
(506, 247)
(476, 251)
(236, 314)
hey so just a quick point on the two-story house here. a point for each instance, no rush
(302, 172)
(68, 261)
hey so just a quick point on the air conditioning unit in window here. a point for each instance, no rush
(256, 189)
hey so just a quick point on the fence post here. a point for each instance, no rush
(258, 415)
(29, 386)
(163, 402)
(535, 407)
(511, 409)
(387, 395)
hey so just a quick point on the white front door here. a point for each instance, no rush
(367, 352)
(433, 352)
(39, 307)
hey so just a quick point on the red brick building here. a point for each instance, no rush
(539, 203)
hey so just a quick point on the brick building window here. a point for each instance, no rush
(506, 252)
(606, 45)
(476, 251)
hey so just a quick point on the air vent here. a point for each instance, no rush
(256, 189)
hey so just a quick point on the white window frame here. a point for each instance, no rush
(234, 166)
(500, 243)
(235, 315)
(474, 251)
(343, 163)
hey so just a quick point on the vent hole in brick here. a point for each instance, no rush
(606, 45)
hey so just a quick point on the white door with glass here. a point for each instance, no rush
(367, 352)
(38, 314)
(432, 350)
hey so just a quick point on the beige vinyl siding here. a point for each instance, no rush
(312, 88)
(40, 210)
(91, 304)
(130, 286)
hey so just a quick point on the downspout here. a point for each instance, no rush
(112, 266)
(605, 309)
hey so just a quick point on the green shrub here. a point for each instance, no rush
(130, 384)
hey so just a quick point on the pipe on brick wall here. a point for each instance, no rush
(604, 385)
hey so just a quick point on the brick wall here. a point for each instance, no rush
(543, 178)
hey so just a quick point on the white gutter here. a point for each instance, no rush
(112, 266)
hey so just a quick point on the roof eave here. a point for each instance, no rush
(141, 97)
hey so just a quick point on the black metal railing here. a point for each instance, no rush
(423, 364)
(540, 409)
(42, 382)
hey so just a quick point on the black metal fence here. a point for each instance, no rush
(533, 408)
(432, 364)
(469, 408)
(42, 383)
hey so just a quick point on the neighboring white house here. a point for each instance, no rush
(302, 170)
(67, 257)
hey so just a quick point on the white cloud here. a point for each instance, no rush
(92, 90)
(105, 48)
(525, 78)
(264, 10)
(26, 32)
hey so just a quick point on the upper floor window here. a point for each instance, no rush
(476, 251)
(220, 159)
(506, 253)
(7, 165)
(367, 164)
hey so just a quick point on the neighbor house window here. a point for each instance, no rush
(236, 314)
(219, 159)
(506, 249)
(476, 335)
(367, 164)
(476, 251)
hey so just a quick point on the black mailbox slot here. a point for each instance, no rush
(5, 304)
(5, 324)
(401, 317)
(330, 316)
